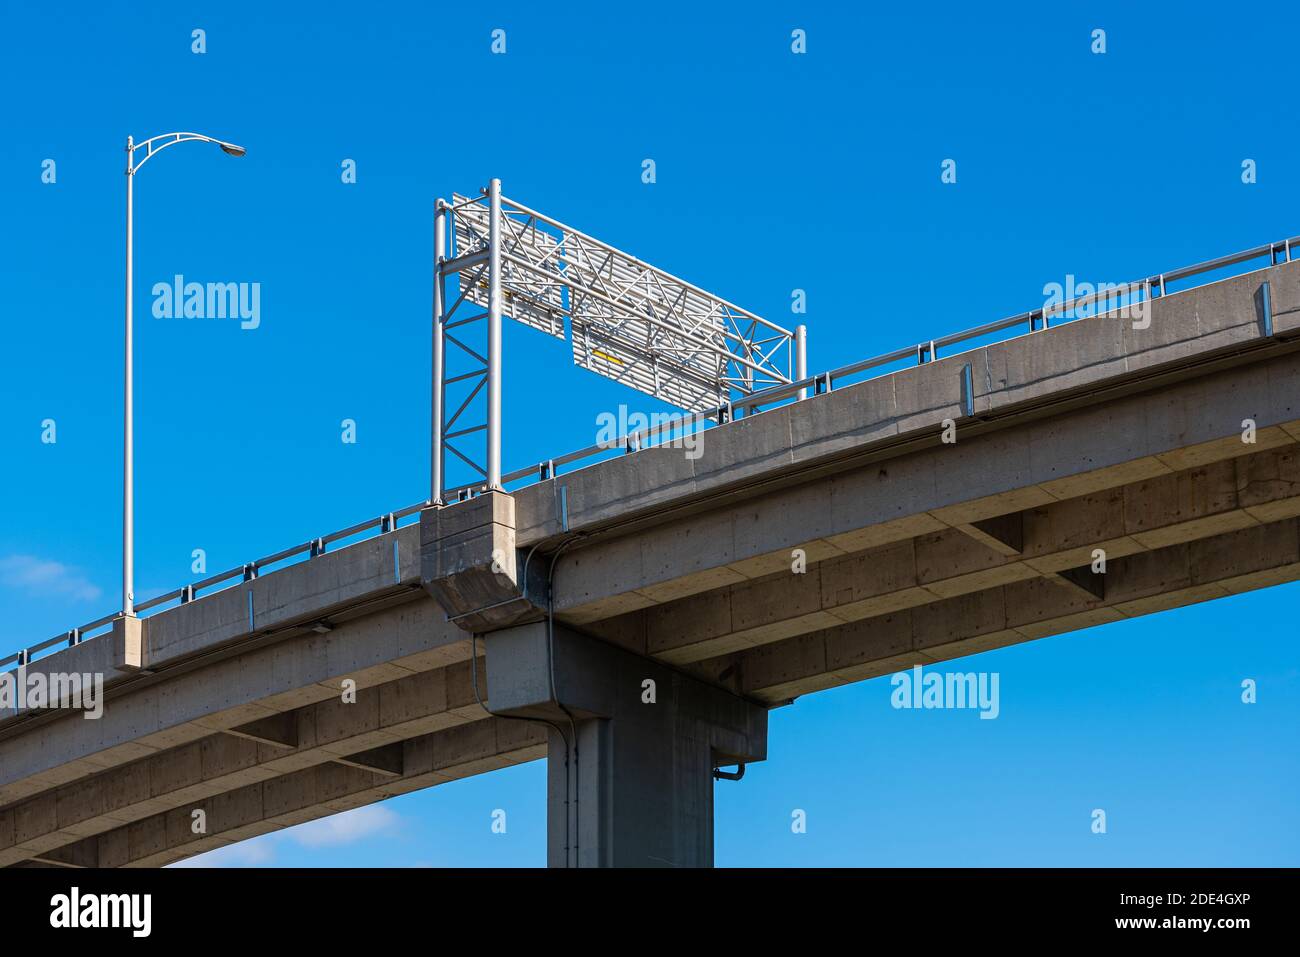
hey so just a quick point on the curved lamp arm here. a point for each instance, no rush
(150, 146)
(156, 144)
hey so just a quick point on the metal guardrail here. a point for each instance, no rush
(246, 572)
(1036, 320)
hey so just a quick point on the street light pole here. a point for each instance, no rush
(150, 146)
(128, 431)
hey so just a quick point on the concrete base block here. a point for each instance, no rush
(469, 564)
(128, 643)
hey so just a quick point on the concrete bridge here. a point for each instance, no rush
(652, 608)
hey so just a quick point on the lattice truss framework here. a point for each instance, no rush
(626, 320)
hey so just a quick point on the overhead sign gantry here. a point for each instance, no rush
(625, 320)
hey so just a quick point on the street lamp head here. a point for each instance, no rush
(232, 149)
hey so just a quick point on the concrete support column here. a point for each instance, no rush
(638, 789)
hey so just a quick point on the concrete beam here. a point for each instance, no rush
(1139, 584)
(278, 730)
(1005, 534)
(170, 709)
(1058, 538)
(980, 478)
(386, 760)
(306, 795)
(329, 730)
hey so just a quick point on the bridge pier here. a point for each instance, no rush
(637, 790)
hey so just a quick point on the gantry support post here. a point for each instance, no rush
(494, 337)
(437, 458)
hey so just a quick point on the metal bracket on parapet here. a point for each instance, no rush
(1264, 308)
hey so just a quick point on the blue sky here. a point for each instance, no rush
(774, 172)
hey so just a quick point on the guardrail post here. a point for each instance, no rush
(317, 547)
(250, 571)
(74, 637)
(187, 594)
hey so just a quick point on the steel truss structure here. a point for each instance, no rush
(625, 319)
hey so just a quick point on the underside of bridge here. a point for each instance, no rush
(635, 621)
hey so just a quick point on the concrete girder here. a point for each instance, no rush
(1053, 539)
(305, 795)
(1085, 452)
(1137, 584)
(329, 730)
(167, 710)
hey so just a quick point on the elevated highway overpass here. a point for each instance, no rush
(819, 542)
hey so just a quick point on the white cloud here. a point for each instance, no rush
(257, 852)
(346, 827)
(332, 831)
(40, 578)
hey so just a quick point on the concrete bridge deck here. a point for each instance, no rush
(1173, 449)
